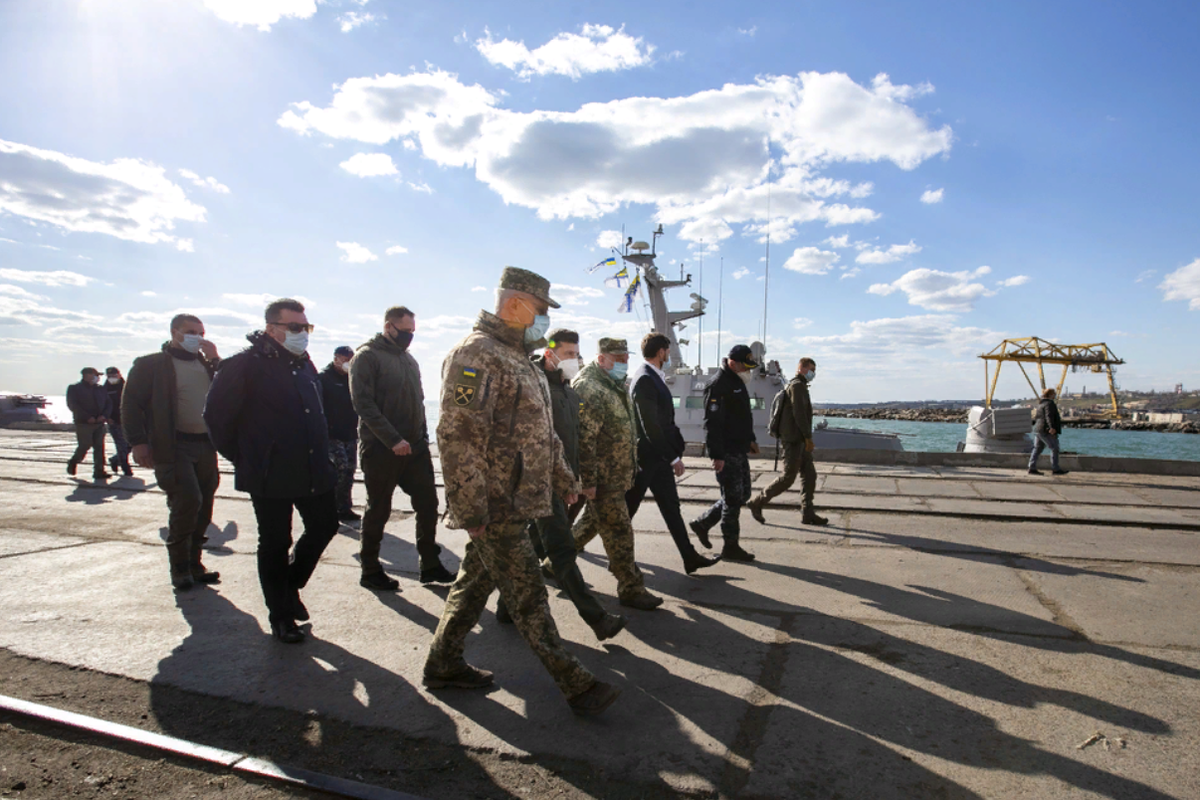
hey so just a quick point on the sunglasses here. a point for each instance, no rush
(294, 327)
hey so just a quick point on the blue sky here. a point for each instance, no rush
(942, 176)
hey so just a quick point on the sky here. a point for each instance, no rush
(931, 178)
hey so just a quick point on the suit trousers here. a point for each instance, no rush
(659, 478)
(383, 471)
(280, 569)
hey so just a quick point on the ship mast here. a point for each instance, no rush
(665, 321)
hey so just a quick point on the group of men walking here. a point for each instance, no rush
(527, 436)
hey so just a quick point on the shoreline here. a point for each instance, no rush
(959, 415)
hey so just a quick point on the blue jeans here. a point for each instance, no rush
(121, 459)
(1040, 442)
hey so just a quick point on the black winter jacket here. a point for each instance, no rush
(385, 385)
(564, 402)
(728, 421)
(1047, 418)
(87, 401)
(114, 391)
(658, 437)
(339, 411)
(264, 414)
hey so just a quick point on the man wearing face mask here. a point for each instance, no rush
(90, 409)
(607, 466)
(660, 446)
(385, 385)
(795, 432)
(265, 415)
(502, 462)
(552, 535)
(162, 412)
(343, 429)
(729, 437)
(114, 385)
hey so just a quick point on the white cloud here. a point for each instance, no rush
(367, 165)
(205, 183)
(262, 300)
(838, 241)
(420, 187)
(811, 261)
(740, 273)
(149, 293)
(444, 325)
(609, 239)
(356, 253)
(932, 196)
(596, 48)
(800, 323)
(701, 160)
(850, 273)
(479, 288)
(574, 295)
(753, 29)
(260, 13)
(938, 291)
(396, 250)
(1016, 280)
(894, 253)
(55, 278)
(1146, 275)
(353, 19)
(1182, 284)
(1118, 333)
(17, 291)
(895, 343)
(127, 198)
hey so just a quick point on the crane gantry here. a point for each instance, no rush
(1032, 350)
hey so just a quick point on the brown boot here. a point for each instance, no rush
(755, 507)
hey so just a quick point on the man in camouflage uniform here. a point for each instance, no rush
(607, 466)
(501, 460)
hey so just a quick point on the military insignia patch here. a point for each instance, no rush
(463, 394)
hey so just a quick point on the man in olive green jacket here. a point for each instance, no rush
(607, 466)
(795, 433)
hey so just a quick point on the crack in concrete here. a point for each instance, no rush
(1058, 614)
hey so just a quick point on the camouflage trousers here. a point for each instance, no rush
(796, 462)
(344, 456)
(503, 558)
(734, 480)
(608, 515)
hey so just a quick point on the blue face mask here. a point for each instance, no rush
(618, 371)
(537, 331)
(667, 364)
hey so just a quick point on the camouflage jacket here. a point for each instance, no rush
(500, 456)
(607, 442)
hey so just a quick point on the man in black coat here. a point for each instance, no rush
(1047, 424)
(264, 414)
(659, 446)
(343, 430)
(729, 426)
(90, 409)
(114, 385)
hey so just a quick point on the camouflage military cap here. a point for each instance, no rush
(523, 280)
(614, 347)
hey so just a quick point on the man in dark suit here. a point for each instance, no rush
(660, 446)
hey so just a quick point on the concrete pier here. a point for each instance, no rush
(956, 631)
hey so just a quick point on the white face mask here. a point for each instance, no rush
(191, 342)
(569, 367)
(114, 380)
(746, 376)
(296, 343)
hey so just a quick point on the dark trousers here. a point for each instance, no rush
(121, 459)
(552, 539)
(659, 478)
(735, 491)
(276, 575)
(190, 483)
(383, 471)
(345, 461)
(90, 436)
(797, 461)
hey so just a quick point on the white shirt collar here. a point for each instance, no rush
(661, 375)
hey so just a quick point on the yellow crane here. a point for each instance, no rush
(1032, 350)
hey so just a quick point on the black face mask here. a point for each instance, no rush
(403, 339)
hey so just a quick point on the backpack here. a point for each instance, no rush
(778, 406)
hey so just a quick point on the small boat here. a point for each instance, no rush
(22, 408)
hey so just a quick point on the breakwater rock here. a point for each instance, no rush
(924, 414)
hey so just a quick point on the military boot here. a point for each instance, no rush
(200, 574)
(755, 507)
(180, 560)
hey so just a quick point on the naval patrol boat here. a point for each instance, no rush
(687, 383)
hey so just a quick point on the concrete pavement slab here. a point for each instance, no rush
(1025, 492)
(14, 541)
(936, 488)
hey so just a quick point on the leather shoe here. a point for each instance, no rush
(182, 582)
(643, 601)
(438, 574)
(202, 575)
(298, 609)
(1034, 472)
(71, 465)
(701, 533)
(600, 696)
(733, 552)
(466, 678)
(1060, 472)
(694, 561)
(756, 512)
(287, 632)
(380, 582)
(608, 626)
(814, 519)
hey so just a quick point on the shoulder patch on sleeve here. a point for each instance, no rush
(466, 385)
